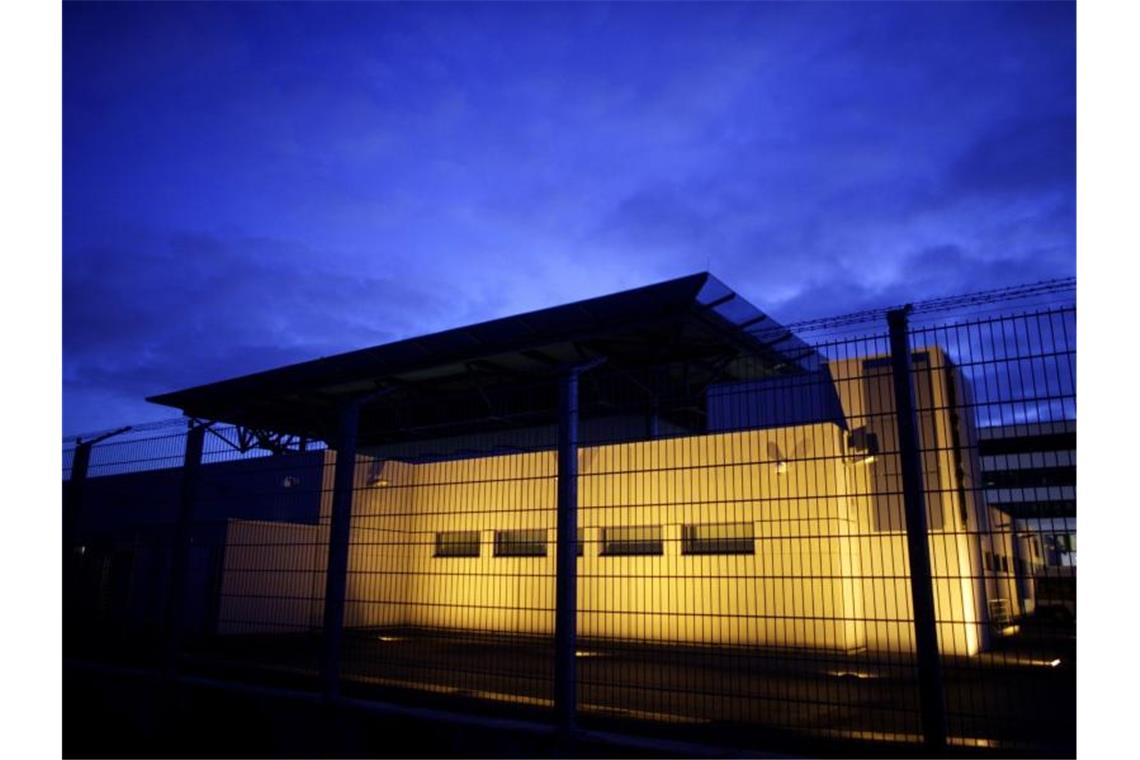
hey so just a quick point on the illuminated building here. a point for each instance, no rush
(756, 503)
(1030, 473)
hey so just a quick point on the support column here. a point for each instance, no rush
(340, 525)
(180, 546)
(931, 694)
(566, 582)
(656, 382)
(652, 428)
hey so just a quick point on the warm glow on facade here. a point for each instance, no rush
(809, 553)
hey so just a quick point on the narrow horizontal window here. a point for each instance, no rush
(457, 543)
(718, 538)
(520, 543)
(640, 540)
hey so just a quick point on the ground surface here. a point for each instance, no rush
(1019, 698)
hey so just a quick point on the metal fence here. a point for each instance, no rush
(819, 556)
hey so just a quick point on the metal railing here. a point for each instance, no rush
(783, 559)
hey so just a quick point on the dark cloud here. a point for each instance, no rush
(166, 314)
(247, 185)
(1035, 155)
(938, 270)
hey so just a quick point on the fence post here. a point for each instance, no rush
(72, 516)
(566, 537)
(76, 486)
(340, 524)
(180, 548)
(931, 694)
(73, 503)
(566, 542)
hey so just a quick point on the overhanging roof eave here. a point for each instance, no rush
(312, 386)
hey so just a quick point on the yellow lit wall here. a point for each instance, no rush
(829, 569)
(795, 590)
(273, 577)
(957, 519)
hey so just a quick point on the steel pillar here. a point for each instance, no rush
(180, 544)
(340, 524)
(652, 426)
(931, 694)
(566, 583)
(566, 580)
(73, 503)
(72, 516)
(76, 486)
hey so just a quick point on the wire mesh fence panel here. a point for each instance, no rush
(246, 515)
(713, 586)
(259, 554)
(1010, 447)
(742, 548)
(451, 576)
(120, 502)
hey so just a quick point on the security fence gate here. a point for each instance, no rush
(860, 543)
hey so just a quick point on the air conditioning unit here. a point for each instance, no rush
(862, 446)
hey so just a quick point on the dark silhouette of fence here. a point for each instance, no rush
(722, 549)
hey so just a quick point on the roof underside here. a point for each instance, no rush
(688, 332)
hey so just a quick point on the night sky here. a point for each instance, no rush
(250, 185)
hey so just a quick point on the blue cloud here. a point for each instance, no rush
(252, 184)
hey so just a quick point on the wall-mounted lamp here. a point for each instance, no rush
(376, 476)
(777, 456)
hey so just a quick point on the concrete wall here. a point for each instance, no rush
(830, 564)
(273, 577)
(795, 590)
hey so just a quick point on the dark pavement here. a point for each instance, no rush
(1016, 699)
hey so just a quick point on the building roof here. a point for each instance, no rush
(695, 322)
